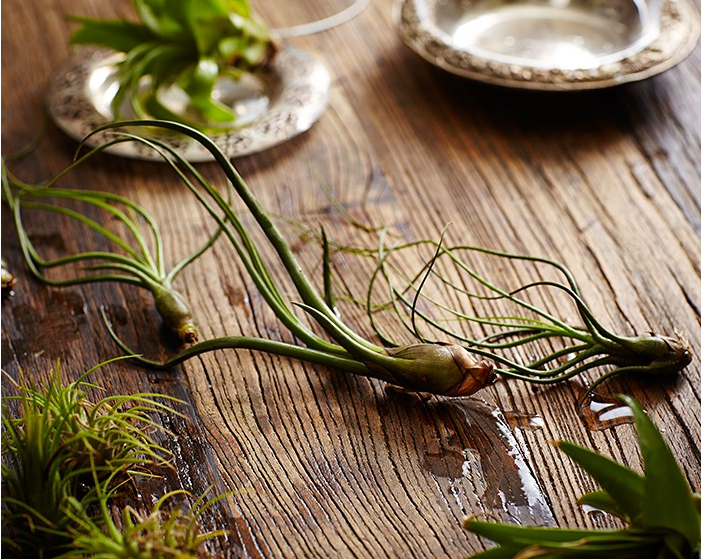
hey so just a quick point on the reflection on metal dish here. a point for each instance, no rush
(272, 105)
(550, 44)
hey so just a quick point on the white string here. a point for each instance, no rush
(324, 24)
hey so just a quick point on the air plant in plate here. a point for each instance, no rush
(182, 45)
(437, 368)
(529, 344)
(661, 512)
(137, 248)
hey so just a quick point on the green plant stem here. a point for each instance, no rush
(440, 369)
(256, 344)
(581, 348)
(135, 265)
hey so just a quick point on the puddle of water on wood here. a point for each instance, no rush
(489, 461)
(601, 413)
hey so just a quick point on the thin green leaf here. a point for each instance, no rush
(163, 64)
(669, 499)
(625, 486)
(511, 534)
(198, 82)
(675, 546)
(118, 35)
(165, 18)
(208, 21)
(618, 546)
(530, 542)
(601, 500)
(328, 292)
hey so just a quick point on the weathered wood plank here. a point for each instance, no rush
(324, 464)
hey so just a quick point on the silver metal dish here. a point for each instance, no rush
(272, 105)
(550, 44)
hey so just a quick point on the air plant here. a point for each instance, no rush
(561, 350)
(159, 534)
(57, 442)
(138, 255)
(456, 368)
(661, 513)
(183, 44)
(445, 369)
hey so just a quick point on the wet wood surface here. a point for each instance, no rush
(325, 464)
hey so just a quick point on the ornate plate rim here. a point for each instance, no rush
(304, 86)
(678, 37)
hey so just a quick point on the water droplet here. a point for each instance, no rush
(518, 420)
(529, 486)
(593, 511)
(604, 413)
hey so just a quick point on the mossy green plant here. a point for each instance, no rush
(56, 441)
(164, 532)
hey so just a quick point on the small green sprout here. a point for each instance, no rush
(661, 512)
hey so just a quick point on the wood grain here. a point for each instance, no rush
(324, 464)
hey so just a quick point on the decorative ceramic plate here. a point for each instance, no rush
(549, 44)
(272, 105)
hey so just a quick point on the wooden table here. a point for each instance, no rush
(330, 465)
